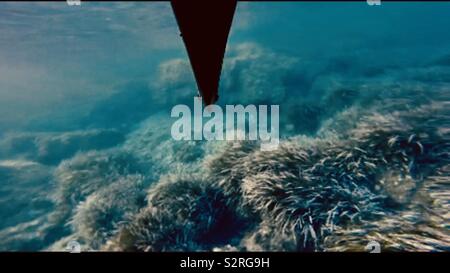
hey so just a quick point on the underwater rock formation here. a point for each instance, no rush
(23, 212)
(51, 148)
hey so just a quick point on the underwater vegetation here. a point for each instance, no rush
(386, 179)
(362, 158)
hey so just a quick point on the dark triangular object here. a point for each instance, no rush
(204, 26)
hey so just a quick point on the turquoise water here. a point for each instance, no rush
(86, 153)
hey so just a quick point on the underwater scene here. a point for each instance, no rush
(87, 155)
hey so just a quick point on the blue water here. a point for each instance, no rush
(88, 90)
